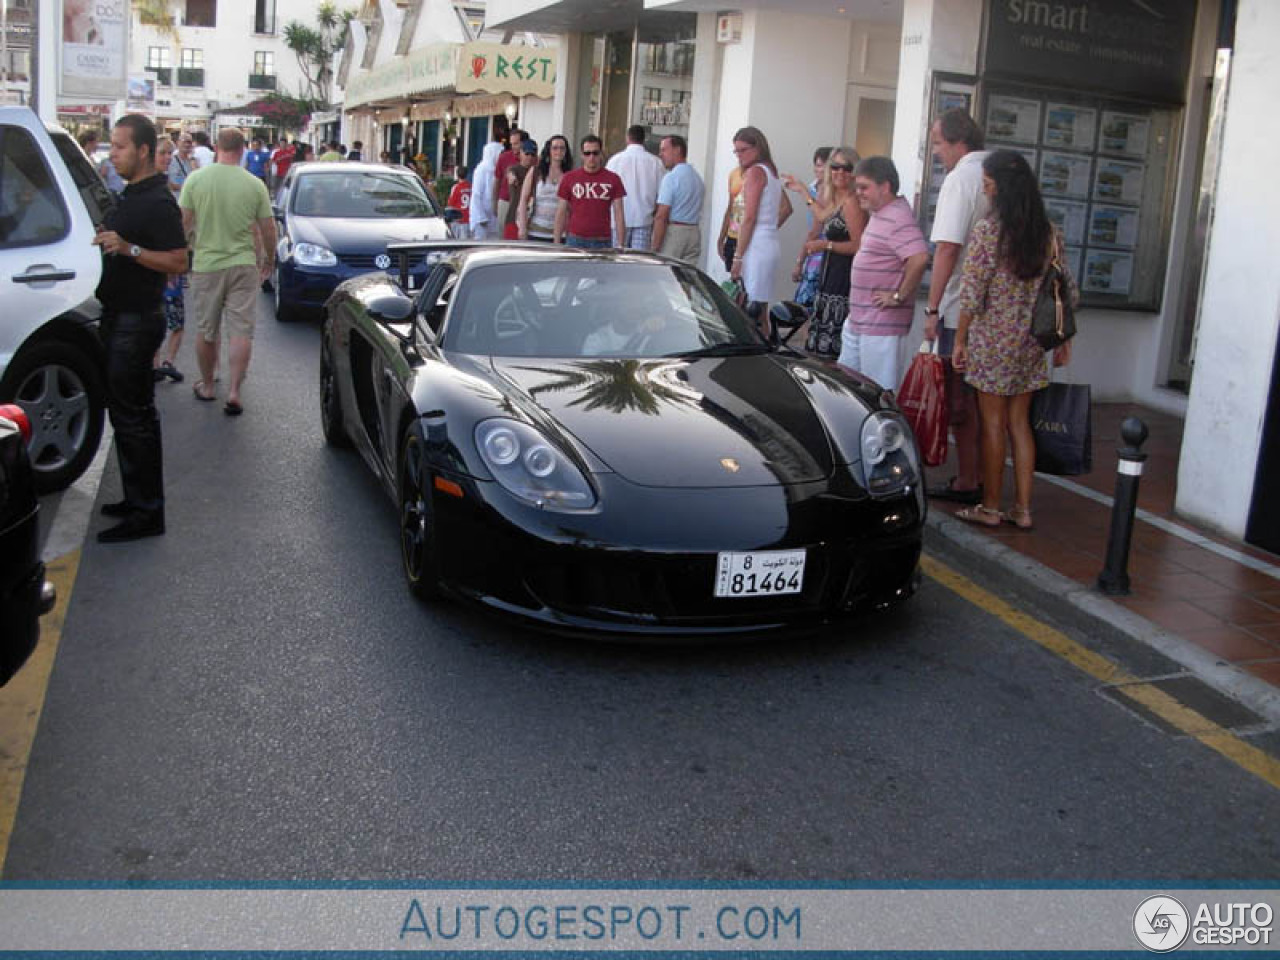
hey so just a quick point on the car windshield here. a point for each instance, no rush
(368, 195)
(595, 308)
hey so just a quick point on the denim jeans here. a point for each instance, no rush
(130, 340)
(588, 243)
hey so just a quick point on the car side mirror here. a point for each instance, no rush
(390, 308)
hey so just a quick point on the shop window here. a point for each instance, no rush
(1104, 167)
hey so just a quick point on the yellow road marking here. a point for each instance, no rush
(1155, 700)
(23, 698)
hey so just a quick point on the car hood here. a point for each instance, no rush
(735, 421)
(365, 236)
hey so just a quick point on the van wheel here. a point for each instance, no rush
(60, 390)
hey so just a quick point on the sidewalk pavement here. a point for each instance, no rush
(1207, 601)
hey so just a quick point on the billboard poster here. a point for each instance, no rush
(142, 94)
(94, 48)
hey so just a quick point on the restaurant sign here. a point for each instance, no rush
(1117, 46)
(503, 68)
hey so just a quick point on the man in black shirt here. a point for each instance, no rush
(142, 242)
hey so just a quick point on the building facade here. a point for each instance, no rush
(424, 82)
(219, 57)
(1141, 120)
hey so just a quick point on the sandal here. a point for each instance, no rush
(1020, 517)
(195, 388)
(980, 515)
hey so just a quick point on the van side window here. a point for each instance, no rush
(98, 200)
(31, 209)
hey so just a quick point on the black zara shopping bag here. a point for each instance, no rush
(1060, 423)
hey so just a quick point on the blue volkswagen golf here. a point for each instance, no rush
(335, 221)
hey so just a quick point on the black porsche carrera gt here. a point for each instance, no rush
(602, 442)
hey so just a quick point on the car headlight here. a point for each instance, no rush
(313, 255)
(890, 460)
(529, 466)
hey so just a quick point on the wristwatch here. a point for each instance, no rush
(931, 311)
(135, 251)
(897, 297)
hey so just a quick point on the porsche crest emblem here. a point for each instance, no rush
(730, 464)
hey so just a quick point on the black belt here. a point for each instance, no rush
(681, 223)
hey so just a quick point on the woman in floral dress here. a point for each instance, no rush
(1008, 255)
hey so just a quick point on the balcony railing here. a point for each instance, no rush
(191, 76)
(163, 74)
(262, 81)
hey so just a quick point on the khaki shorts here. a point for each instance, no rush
(683, 241)
(227, 296)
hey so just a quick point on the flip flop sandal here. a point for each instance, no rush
(195, 388)
(232, 409)
(981, 516)
(1020, 517)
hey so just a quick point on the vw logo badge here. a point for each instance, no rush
(382, 261)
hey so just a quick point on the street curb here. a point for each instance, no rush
(1250, 691)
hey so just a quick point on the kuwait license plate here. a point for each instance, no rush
(762, 573)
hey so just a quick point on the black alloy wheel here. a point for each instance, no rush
(60, 389)
(418, 550)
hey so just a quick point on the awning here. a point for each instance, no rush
(443, 68)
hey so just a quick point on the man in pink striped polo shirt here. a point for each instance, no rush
(886, 273)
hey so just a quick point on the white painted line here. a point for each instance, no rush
(75, 506)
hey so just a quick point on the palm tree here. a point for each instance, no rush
(315, 47)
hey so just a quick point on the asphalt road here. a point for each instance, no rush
(256, 696)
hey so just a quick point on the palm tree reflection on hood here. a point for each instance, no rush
(619, 385)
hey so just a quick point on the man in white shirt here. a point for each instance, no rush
(203, 153)
(641, 174)
(957, 142)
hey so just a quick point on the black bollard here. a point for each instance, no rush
(1114, 579)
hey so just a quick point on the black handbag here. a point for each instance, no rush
(1060, 422)
(1053, 320)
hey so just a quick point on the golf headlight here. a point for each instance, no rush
(529, 466)
(890, 461)
(313, 255)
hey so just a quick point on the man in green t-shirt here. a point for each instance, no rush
(229, 212)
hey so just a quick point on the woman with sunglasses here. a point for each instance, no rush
(765, 209)
(838, 221)
(538, 197)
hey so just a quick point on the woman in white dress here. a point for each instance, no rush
(766, 209)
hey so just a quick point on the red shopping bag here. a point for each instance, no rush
(923, 401)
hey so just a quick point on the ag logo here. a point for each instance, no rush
(382, 261)
(1161, 924)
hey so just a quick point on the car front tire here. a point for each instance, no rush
(284, 312)
(418, 551)
(60, 389)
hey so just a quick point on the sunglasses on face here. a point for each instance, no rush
(591, 153)
(840, 167)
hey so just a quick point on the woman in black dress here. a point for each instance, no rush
(838, 223)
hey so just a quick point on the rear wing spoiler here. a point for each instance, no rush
(437, 250)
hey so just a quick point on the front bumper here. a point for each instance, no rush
(308, 288)
(646, 566)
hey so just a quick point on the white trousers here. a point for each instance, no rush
(879, 358)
